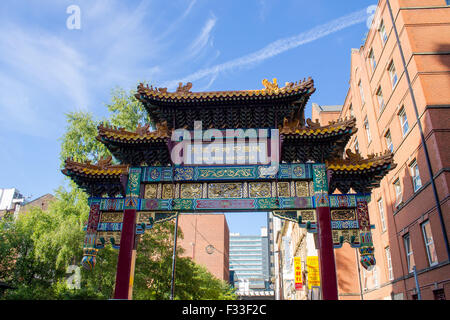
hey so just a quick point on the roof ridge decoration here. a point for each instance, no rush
(184, 92)
(354, 161)
(103, 166)
(141, 132)
(296, 126)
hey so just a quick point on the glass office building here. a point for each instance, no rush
(249, 261)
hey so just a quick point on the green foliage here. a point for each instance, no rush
(126, 111)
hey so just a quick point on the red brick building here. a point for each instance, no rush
(206, 241)
(411, 215)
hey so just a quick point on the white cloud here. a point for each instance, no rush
(275, 48)
(203, 38)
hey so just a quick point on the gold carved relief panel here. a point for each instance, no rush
(260, 190)
(225, 190)
(167, 191)
(284, 189)
(191, 191)
(301, 188)
(151, 191)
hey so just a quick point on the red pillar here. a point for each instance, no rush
(327, 263)
(124, 264)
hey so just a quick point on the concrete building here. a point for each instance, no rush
(206, 241)
(400, 96)
(10, 201)
(250, 264)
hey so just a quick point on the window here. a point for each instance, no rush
(408, 252)
(365, 287)
(403, 121)
(389, 143)
(383, 33)
(382, 217)
(429, 243)
(375, 276)
(439, 294)
(417, 183)
(367, 128)
(380, 98)
(373, 62)
(393, 74)
(387, 251)
(398, 192)
(361, 92)
(356, 145)
(351, 110)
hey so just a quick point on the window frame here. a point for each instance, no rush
(361, 93)
(389, 143)
(380, 205)
(429, 244)
(387, 252)
(398, 195)
(380, 98)
(402, 114)
(415, 175)
(367, 129)
(409, 252)
(393, 74)
(383, 33)
(372, 60)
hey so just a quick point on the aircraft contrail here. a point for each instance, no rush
(277, 47)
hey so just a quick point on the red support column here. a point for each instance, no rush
(327, 264)
(124, 264)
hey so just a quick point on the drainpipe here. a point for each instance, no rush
(422, 137)
(419, 296)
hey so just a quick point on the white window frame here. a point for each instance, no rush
(387, 252)
(389, 142)
(393, 74)
(361, 92)
(373, 61)
(415, 175)
(383, 34)
(356, 144)
(409, 252)
(403, 121)
(380, 98)
(382, 216)
(398, 192)
(367, 128)
(429, 244)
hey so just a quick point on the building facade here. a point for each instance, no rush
(400, 96)
(250, 264)
(293, 242)
(206, 241)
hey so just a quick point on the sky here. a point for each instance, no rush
(50, 65)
